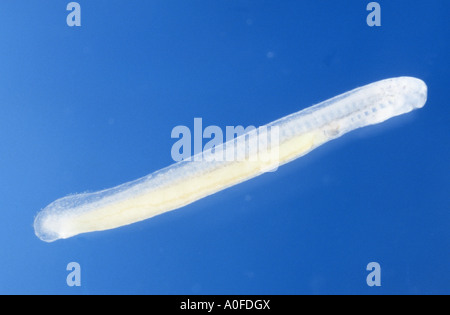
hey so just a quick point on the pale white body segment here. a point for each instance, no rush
(185, 182)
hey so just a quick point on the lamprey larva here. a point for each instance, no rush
(187, 181)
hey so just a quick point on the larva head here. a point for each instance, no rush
(407, 93)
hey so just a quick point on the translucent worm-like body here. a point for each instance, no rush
(185, 182)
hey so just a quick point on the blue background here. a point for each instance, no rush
(91, 107)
